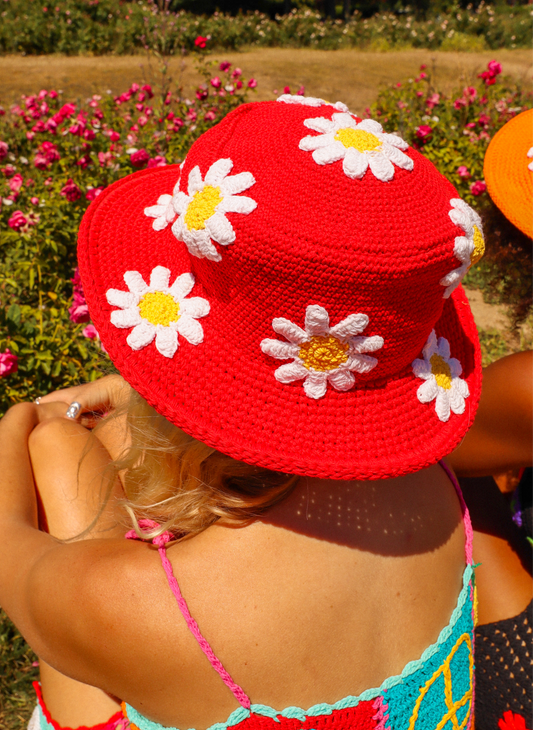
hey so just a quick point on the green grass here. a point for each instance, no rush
(17, 698)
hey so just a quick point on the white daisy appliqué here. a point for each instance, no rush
(158, 310)
(320, 353)
(358, 144)
(468, 248)
(163, 211)
(310, 101)
(441, 375)
(202, 218)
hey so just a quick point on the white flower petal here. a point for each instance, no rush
(381, 167)
(350, 326)
(457, 402)
(135, 282)
(160, 223)
(395, 141)
(217, 172)
(332, 153)
(237, 183)
(159, 278)
(166, 341)
(355, 164)
(361, 363)
(316, 320)
(428, 391)
(237, 204)
(289, 330)
(154, 211)
(194, 307)
(180, 201)
(370, 125)
(182, 286)
(315, 385)
(124, 318)
(123, 299)
(366, 344)
(220, 229)
(290, 372)
(443, 348)
(195, 181)
(320, 124)
(279, 350)
(403, 161)
(341, 380)
(344, 121)
(308, 144)
(442, 405)
(141, 335)
(198, 242)
(461, 386)
(190, 329)
(421, 369)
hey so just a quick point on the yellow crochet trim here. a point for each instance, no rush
(358, 138)
(451, 706)
(324, 353)
(441, 371)
(202, 207)
(159, 308)
(479, 246)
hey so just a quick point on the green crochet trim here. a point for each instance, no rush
(242, 713)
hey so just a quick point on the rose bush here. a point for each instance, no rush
(56, 158)
(115, 26)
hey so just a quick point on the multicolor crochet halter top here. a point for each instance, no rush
(435, 692)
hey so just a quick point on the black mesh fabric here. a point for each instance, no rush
(504, 664)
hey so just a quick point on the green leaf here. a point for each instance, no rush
(14, 314)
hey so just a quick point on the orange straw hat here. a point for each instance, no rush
(508, 171)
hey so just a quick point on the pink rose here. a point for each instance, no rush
(423, 132)
(8, 363)
(200, 42)
(9, 170)
(93, 193)
(210, 116)
(236, 73)
(216, 83)
(71, 191)
(90, 332)
(4, 147)
(157, 161)
(16, 183)
(201, 94)
(252, 84)
(225, 66)
(139, 158)
(78, 313)
(89, 134)
(286, 89)
(35, 201)
(484, 120)
(134, 88)
(463, 172)
(17, 221)
(148, 91)
(495, 68)
(113, 136)
(478, 187)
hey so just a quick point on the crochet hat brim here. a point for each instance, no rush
(224, 393)
(509, 181)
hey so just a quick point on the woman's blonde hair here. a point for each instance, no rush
(183, 484)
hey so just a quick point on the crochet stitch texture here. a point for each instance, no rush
(309, 236)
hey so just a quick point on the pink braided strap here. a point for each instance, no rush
(160, 542)
(469, 532)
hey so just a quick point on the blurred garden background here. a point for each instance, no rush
(91, 90)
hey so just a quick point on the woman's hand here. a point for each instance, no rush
(99, 397)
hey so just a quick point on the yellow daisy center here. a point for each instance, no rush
(323, 353)
(479, 246)
(159, 308)
(202, 207)
(358, 138)
(441, 371)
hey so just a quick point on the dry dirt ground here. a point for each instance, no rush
(352, 76)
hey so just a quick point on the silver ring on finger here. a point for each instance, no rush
(73, 410)
(37, 401)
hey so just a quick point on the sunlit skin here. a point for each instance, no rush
(364, 559)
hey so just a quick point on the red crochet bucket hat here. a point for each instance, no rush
(290, 295)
